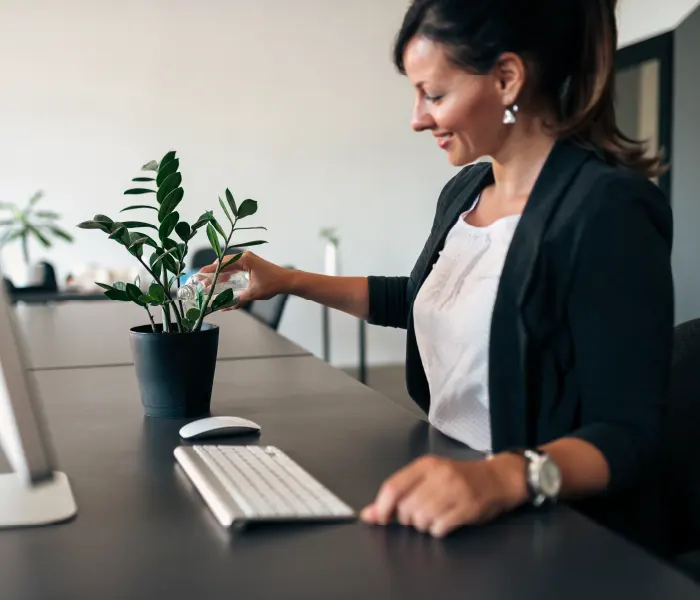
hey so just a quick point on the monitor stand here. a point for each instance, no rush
(41, 504)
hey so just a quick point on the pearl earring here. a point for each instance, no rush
(509, 117)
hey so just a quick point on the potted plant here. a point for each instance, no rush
(175, 360)
(27, 224)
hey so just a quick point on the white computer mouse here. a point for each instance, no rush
(218, 427)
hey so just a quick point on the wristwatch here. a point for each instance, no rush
(543, 476)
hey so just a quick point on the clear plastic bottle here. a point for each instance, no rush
(228, 280)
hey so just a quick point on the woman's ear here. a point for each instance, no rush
(509, 74)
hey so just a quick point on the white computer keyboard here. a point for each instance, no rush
(257, 483)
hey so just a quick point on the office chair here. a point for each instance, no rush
(681, 449)
(49, 283)
(206, 256)
(269, 311)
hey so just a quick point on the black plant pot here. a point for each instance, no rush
(175, 370)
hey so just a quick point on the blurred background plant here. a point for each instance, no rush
(24, 224)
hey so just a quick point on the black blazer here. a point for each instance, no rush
(581, 332)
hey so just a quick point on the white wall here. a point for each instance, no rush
(642, 19)
(294, 103)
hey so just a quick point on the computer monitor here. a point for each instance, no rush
(34, 493)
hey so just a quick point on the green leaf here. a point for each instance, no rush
(150, 166)
(137, 281)
(148, 241)
(133, 293)
(170, 203)
(91, 225)
(169, 244)
(136, 239)
(58, 232)
(248, 244)
(167, 158)
(218, 227)
(120, 285)
(156, 267)
(35, 198)
(183, 231)
(168, 225)
(103, 219)
(137, 191)
(143, 179)
(11, 236)
(137, 224)
(157, 292)
(145, 299)
(225, 299)
(176, 248)
(193, 314)
(223, 207)
(171, 264)
(138, 206)
(170, 283)
(120, 234)
(115, 294)
(247, 208)
(167, 170)
(47, 214)
(38, 235)
(202, 221)
(104, 286)
(231, 202)
(214, 239)
(188, 325)
(201, 299)
(182, 251)
(236, 258)
(169, 184)
(163, 257)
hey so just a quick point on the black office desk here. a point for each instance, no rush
(143, 532)
(94, 334)
(44, 297)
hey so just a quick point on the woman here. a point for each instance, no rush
(540, 311)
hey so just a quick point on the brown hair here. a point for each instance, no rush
(569, 45)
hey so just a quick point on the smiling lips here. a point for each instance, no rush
(444, 140)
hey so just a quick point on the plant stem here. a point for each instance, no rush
(178, 316)
(198, 325)
(153, 323)
(166, 318)
(25, 248)
(182, 306)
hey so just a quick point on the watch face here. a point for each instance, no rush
(550, 479)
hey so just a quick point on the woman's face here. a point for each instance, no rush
(463, 111)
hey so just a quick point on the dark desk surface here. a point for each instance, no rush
(144, 533)
(44, 297)
(93, 334)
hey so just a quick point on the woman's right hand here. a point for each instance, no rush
(266, 279)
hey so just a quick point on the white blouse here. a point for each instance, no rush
(452, 317)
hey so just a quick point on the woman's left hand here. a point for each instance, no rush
(437, 495)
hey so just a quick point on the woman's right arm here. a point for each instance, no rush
(347, 294)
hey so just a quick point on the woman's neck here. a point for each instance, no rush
(519, 162)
